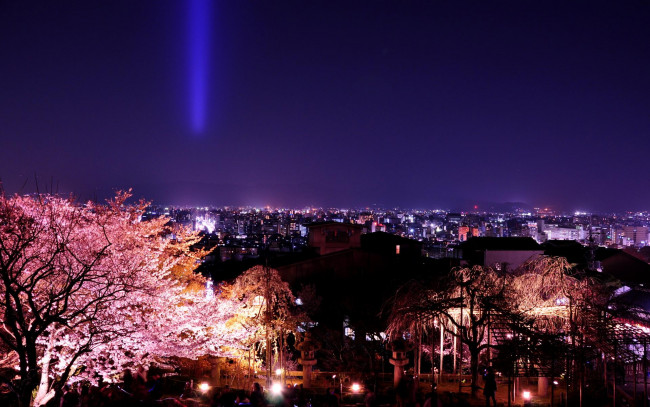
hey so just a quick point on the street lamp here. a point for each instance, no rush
(276, 388)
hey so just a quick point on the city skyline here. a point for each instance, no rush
(333, 104)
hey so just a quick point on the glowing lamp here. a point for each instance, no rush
(356, 387)
(204, 387)
(276, 388)
(526, 395)
(278, 372)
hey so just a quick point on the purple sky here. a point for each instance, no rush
(417, 104)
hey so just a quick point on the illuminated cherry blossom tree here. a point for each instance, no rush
(271, 308)
(90, 288)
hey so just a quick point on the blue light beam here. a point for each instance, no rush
(199, 44)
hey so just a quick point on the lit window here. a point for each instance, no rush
(349, 332)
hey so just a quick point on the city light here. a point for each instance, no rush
(204, 223)
(276, 156)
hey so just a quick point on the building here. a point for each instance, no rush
(502, 253)
(331, 237)
(633, 235)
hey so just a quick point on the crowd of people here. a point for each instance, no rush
(147, 388)
(150, 388)
(140, 388)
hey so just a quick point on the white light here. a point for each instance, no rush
(205, 223)
(555, 382)
(526, 395)
(356, 387)
(204, 387)
(562, 301)
(209, 291)
(278, 372)
(276, 388)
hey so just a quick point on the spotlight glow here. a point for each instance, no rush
(199, 29)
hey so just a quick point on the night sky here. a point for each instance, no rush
(436, 104)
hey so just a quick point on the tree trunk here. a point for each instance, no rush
(45, 393)
(29, 377)
(474, 354)
(26, 387)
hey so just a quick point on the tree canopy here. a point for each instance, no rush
(92, 288)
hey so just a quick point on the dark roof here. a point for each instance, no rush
(627, 268)
(385, 243)
(562, 245)
(323, 224)
(636, 298)
(500, 243)
(573, 251)
(380, 238)
(602, 253)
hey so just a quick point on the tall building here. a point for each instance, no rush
(636, 235)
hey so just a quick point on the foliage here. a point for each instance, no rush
(269, 300)
(535, 303)
(92, 285)
(463, 303)
(269, 311)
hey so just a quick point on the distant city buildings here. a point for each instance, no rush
(247, 233)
